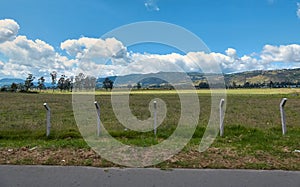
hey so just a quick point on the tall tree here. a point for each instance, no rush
(203, 85)
(90, 82)
(271, 84)
(61, 83)
(71, 83)
(14, 87)
(53, 77)
(79, 81)
(41, 83)
(29, 82)
(108, 84)
(68, 85)
(139, 86)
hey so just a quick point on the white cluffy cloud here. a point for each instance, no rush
(89, 53)
(8, 30)
(20, 55)
(106, 57)
(28, 56)
(283, 53)
(91, 48)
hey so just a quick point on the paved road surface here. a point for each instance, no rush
(89, 176)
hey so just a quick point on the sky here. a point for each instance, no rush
(39, 37)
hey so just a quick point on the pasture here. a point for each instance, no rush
(252, 138)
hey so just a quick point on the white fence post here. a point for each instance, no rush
(48, 127)
(155, 116)
(283, 124)
(98, 118)
(221, 117)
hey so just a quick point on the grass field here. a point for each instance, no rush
(252, 137)
(257, 91)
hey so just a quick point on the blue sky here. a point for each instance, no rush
(241, 34)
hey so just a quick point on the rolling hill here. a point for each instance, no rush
(290, 76)
(257, 77)
(9, 81)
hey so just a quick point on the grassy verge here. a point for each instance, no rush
(252, 139)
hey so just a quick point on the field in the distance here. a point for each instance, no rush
(252, 139)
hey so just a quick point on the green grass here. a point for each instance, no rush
(255, 91)
(252, 140)
(44, 143)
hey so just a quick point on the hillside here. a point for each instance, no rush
(290, 76)
(257, 78)
(9, 81)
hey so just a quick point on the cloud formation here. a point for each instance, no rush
(8, 30)
(106, 57)
(92, 48)
(268, 58)
(283, 53)
(30, 56)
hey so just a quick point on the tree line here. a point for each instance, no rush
(84, 82)
(270, 84)
(234, 85)
(64, 83)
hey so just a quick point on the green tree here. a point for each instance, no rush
(79, 81)
(68, 84)
(108, 84)
(53, 77)
(41, 83)
(203, 85)
(139, 86)
(234, 85)
(61, 84)
(271, 84)
(14, 87)
(29, 82)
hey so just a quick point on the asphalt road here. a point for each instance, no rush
(89, 176)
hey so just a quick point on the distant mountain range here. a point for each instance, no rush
(250, 77)
(262, 76)
(9, 81)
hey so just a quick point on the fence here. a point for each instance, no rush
(25, 112)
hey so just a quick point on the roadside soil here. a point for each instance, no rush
(211, 158)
